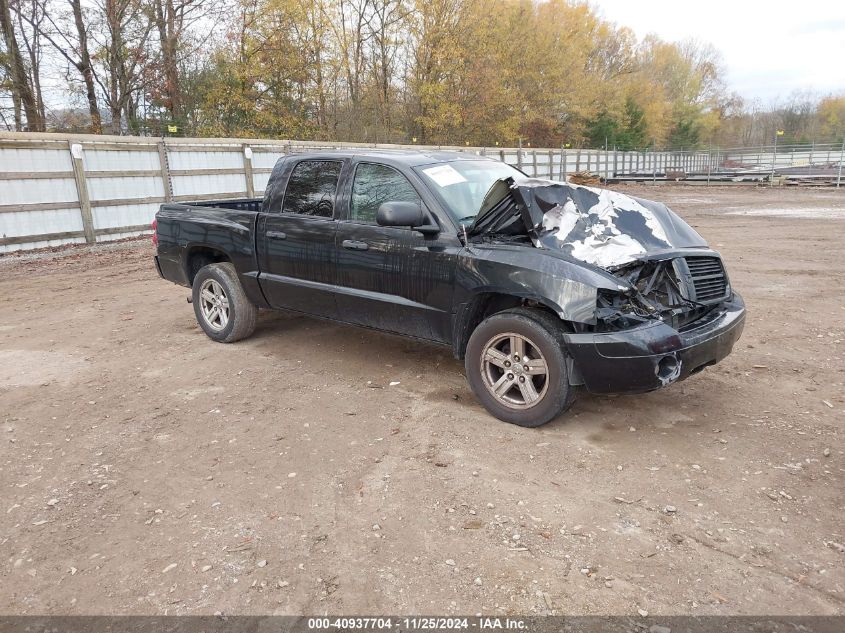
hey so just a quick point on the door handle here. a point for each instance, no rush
(355, 245)
(277, 235)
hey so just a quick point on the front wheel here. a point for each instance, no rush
(517, 368)
(220, 304)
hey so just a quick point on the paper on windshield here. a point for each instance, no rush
(444, 175)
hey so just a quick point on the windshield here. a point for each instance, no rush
(462, 184)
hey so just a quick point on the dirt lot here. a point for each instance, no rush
(146, 469)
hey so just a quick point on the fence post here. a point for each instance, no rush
(82, 192)
(502, 155)
(534, 162)
(165, 171)
(551, 165)
(709, 165)
(250, 185)
(839, 175)
(578, 161)
(564, 166)
(774, 161)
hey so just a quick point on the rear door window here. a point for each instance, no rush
(312, 187)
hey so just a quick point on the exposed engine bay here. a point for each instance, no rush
(659, 292)
(665, 267)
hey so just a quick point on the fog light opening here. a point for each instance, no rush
(668, 368)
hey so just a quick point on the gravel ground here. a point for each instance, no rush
(148, 470)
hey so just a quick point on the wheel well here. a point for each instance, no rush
(200, 256)
(485, 305)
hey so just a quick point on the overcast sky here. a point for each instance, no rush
(769, 48)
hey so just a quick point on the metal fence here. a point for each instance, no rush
(61, 188)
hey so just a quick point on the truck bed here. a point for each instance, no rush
(192, 234)
(237, 204)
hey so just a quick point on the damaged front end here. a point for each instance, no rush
(670, 311)
(676, 290)
(663, 264)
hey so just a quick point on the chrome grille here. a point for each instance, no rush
(708, 278)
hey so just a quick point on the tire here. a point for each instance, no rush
(539, 333)
(221, 281)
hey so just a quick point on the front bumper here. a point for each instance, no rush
(655, 355)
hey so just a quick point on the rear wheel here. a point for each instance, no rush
(516, 366)
(220, 304)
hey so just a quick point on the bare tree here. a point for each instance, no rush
(388, 15)
(71, 42)
(84, 66)
(30, 16)
(23, 91)
(173, 20)
(122, 34)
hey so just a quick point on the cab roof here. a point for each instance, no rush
(409, 157)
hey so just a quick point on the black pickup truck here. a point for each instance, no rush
(540, 286)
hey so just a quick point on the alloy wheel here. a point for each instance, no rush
(214, 304)
(514, 370)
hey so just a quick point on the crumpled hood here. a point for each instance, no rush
(597, 226)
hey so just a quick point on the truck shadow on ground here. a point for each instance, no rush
(439, 378)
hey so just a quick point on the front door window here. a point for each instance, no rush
(375, 185)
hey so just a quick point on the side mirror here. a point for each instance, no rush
(400, 214)
(410, 214)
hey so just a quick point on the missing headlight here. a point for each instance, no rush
(620, 311)
(657, 293)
